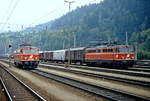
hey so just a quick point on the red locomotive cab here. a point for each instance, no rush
(26, 57)
(29, 54)
(124, 53)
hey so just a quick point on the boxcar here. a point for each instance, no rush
(48, 55)
(76, 55)
(59, 55)
(41, 57)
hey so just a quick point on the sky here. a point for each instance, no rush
(19, 14)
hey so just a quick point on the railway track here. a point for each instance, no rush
(84, 65)
(110, 77)
(143, 62)
(16, 89)
(140, 69)
(137, 70)
(141, 66)
(98, 90)
(55, 91)
(131, 81)
(4, 94)
(138, 73)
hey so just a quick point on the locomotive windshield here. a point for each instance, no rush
(30, 51)
(126, 50)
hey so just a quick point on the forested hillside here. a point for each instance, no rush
(107, 21)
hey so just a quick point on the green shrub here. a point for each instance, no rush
(143, 55)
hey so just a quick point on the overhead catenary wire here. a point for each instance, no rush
(14, 27)
(12, 10)
(10, 14)
(7, 10)
(43, 16)
(15, 24)
(35, 21)
(49, 13)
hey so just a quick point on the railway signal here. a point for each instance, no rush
(10, 47)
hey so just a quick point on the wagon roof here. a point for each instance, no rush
(62, 50)
(106, 46)
(79, 48)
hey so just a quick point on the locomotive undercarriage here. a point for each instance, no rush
(111, 63)
(27, 64)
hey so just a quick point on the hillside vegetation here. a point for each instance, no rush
(107, 21)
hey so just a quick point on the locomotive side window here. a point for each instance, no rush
(110, 50)
(107, 50)
(104, 50)
(21, 51)
(91, 51)
(98, 50)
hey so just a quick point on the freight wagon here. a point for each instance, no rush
(105, 55)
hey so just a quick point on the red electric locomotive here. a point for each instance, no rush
(26, 56)
(115, 55)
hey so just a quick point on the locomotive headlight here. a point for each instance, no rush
(117, 56)
(36, 57)
(31, 57)
(128, 55)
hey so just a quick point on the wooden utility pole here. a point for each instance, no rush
(126, 38)
(74, 39)
(69, 55)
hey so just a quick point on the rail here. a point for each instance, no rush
(5, 89)
(135, 82)
(118, 71)
(101, 91)
(32, 92)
